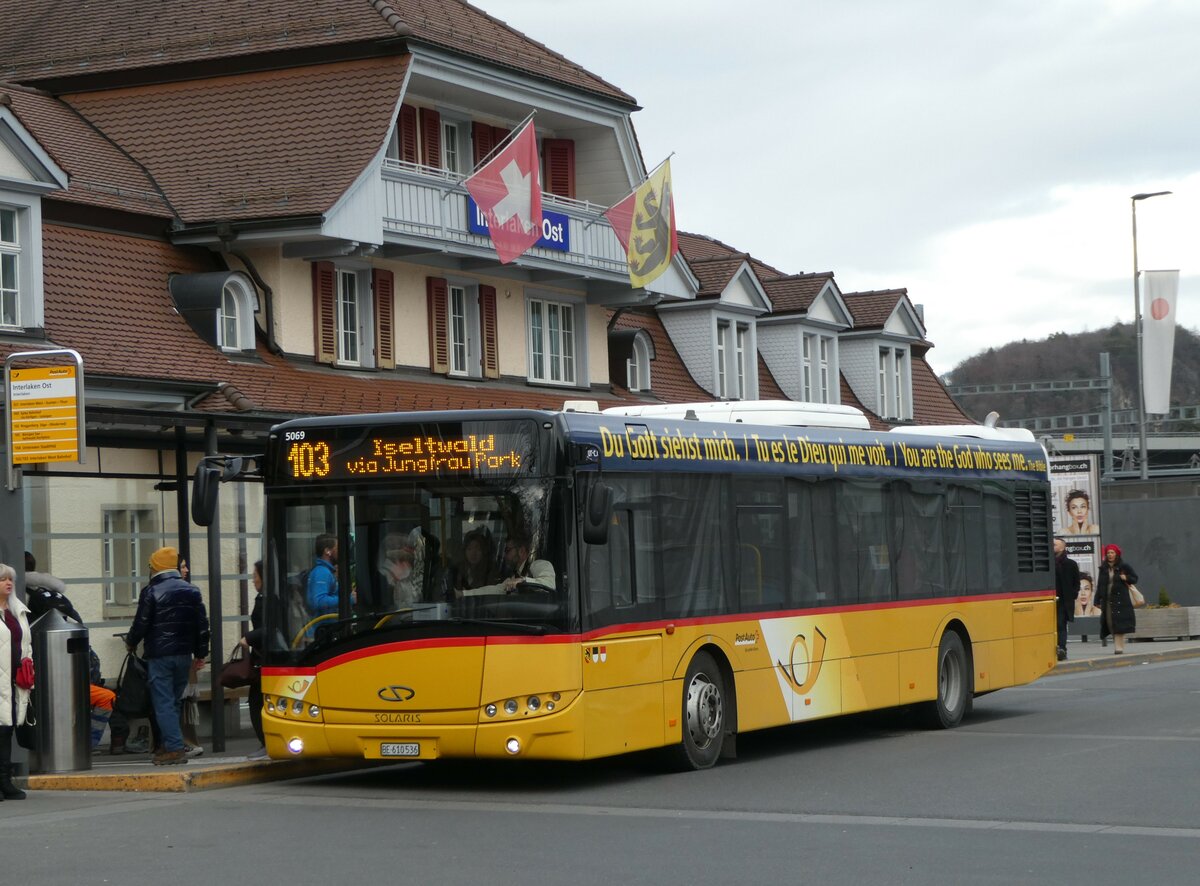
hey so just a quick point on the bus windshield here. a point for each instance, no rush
(390, 561)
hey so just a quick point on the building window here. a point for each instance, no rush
(637, 367)
(807, 367)
(893, 384)
(228, 321)
(462, 303)
(824, 391)
(552, 342)
(740, 360)
(722, 350)
(348, 315)
(235, 319)
(129, 535)
(452, 146)
(10, 267)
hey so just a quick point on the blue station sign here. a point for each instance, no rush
(556, 232)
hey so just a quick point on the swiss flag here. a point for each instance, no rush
(508, 191)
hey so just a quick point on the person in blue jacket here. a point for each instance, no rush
(322, 591)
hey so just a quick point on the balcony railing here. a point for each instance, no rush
(425, 204)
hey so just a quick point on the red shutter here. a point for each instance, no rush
(439, 325)
(324, 312)
(559, 157)
(407, 133)
(487, 329)
(431, 138)
(482, 141)
(383, 287)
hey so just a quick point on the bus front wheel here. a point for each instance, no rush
(703, 715)
(953, 684)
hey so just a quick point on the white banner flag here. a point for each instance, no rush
(1158, 338)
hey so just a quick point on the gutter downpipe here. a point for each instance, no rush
(226, 234)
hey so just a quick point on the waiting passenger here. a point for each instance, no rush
(404, 567)
(322, 589)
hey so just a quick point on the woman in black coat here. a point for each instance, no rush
(253, 641)
(1117, 615)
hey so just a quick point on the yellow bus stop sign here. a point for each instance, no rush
(45, 414)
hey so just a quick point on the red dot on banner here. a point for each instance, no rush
(1159, 308)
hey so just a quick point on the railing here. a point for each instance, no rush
(431, 204)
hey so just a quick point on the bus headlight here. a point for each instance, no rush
(295, 745)
(314, 711)
(513, 745)
(297, 706)
(490, 709)
(534, 703)
(510, 706)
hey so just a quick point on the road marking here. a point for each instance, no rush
(116, 806)
(840, 820)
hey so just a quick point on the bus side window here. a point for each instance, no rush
(760, 548)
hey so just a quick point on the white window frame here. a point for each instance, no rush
(722, 351)
(464, 338)
(455, 131)
(356, 345)
(882, 398)
(741, 334)
(10, 267)
(637, 367)
(126, 531)
(806, 366)
(898, 383)
(894, 399)
(235, 331)
(824, 343)
(555, 359)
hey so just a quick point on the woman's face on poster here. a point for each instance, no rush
(1085, 592)
(1078, 508)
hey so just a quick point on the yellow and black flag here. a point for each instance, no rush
(644, 222)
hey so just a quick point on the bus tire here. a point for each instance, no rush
(703, 716)
(953, 684)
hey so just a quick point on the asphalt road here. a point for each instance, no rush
(1087, 778)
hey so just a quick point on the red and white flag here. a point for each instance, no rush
(1158, 338)
(508, 191)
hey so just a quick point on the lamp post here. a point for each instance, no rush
(1143, 461)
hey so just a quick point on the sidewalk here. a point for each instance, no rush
(1092, 656)
(135, 772)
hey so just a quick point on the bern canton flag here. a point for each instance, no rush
(1158, 339)
(508, 191)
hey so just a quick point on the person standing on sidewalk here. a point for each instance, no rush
(16, 645)
(253, 642)
(1117, 616)
(173, 623)
(1066, 580)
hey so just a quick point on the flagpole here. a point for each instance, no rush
(643, 181)
(513, 133)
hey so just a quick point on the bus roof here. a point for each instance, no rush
(783, 413)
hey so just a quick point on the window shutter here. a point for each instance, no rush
(482, 141)
(439, 325)
(324, 312)
(383, 287)
(431, 138)
(407, 133)
(559, 156)
(487, 329)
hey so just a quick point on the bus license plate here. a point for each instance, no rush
(399, 749)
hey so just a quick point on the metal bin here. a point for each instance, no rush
(62, 695)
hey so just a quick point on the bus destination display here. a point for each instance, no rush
(316, 456)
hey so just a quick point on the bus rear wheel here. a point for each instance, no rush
(703, 714)
(953, 684)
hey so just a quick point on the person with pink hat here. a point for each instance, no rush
(1112, 598)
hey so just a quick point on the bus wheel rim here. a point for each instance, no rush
(949, 679)
(705, 711)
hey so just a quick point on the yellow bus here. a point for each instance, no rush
(573, 585)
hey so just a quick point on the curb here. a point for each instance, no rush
(185, 780)
(1131, 659)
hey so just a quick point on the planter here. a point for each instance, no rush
(1182, 622)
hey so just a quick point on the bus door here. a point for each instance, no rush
(622, 645)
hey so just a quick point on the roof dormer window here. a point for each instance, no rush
(10, 268)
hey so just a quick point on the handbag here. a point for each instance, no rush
(1135, 597)
(133, 688)
(239, 670)
(26, 733)
(24, 675)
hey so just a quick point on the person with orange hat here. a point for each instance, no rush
(172, 622)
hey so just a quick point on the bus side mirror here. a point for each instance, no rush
(597, 514)
(205, 483)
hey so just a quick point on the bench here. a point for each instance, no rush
(233, 707)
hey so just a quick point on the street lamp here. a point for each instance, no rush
(1143, 462)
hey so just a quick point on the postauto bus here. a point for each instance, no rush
(571, 585)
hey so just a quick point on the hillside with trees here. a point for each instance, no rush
(1065, 356)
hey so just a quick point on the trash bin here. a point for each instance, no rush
(62, 695)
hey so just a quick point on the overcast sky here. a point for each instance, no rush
(980, 154)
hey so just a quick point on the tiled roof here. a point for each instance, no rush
(794, 294)
(107, 297)
(849, 398)
(768, 387)
(99, 174)
(872, 309)
(697, 247)
(714, 274)
(932, 403)
(261, 145)
(44, 40)
(670, 380)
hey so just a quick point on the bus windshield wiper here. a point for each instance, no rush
(501, 623)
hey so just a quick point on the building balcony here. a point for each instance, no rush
(427, 213)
